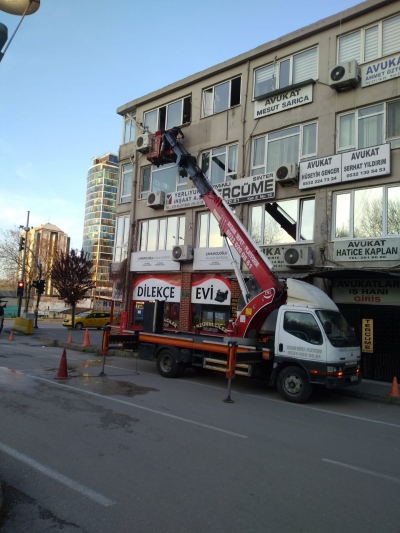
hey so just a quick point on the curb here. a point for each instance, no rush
(369, 396)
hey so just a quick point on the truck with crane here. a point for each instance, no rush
(288, 333)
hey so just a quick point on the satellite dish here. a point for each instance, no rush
(17, 7)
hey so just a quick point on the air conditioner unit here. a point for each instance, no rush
(142, 143)
(183, 252)
(156, 199)
(287, 173)
(344, 76)
(298, 256)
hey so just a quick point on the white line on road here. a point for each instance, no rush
(363, 470)
(155, 411)
(70, 483)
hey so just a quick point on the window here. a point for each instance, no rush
(221, 97)
(370, 126)
(126, 183)
(303, 326)
(129, 128)
(364, 213)
(370, 43)
(166, 117)
(220, 164)
(209, 235)
(285, 72)
(284, 146)
(161, 233)
(121, 238)
(283, 222)
(168, 178)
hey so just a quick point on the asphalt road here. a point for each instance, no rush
(133, 452)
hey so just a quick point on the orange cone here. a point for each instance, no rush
(86, 342)
(394, 393)
(62, 369)
(70, 338)
(11, 336)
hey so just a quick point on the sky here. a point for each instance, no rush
(74, 62)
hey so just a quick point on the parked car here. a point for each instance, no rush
(88, 319)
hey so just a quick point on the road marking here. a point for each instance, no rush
(363, 470)
(155, 411)
(70, 483)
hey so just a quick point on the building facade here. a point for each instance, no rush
(99, 224)
(301, 136)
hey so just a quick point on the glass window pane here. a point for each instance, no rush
(371, 43)
(264, 80)
(309, 140)
(258, 152)
(203, 230)
(256, 223)
(393, 214)
(280, 222)
(221, 97)
(393, 119)
(371, 110)
(370, 131)
(181, 232)
(307, 220)
(205, 163)
(215, 239)
(152, 236)
(151, 121)
(208, 102)
(305, 66)
(165, 179)
(284, 133)
(391, 35)
(346, 131)
(282, 151)
(284, 73)
(143, 236)
(232, 161)
(342, 216)
(218, 168)
(350, 47)
(174, 114)
(161, 234)
(368, 213)
(126, 230)
(146, 180)
(172, 229)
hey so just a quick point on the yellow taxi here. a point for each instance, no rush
(88, 319)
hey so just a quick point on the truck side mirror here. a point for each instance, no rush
(328, 327)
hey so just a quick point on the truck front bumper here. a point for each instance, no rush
(333, 382)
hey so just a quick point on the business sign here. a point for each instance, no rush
(366, 291)
(283, 101)
(367, 329)
(251, 189)
(153, 261)
(276, 256)
(320, 172)
(367, 250)
(214, 259)
(213, 290)
(164, 288)
(349, 166)
(379, 71)
(366, 163)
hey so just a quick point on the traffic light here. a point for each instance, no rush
(41, 286)
(20, 289)
(35, 284)
(21, 243)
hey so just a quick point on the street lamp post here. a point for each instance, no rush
(26, 229)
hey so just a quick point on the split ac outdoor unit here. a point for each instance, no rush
(142, 143)
(183, 252)
(298, 256)
(344, 76)
(287, 174)
(156, 199)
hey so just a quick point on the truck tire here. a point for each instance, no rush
(293, 384)
(167, 365)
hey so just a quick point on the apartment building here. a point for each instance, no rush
(301, 136)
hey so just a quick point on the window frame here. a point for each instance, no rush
(203, 233)
(276, 72)
(228, 176)
(211, 90)
(362, 31)
(299, 222)
(131, 120)
(162, 114)
(268, 137)
(351, 193)
(123, 247)
(162, 233)
(126, 198)
(180, 184)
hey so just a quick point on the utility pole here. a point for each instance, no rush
(26, 229)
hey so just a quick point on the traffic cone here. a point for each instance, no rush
(394, 393)
(86, 341)
(70, 338)
(11, 336)
(62, 369)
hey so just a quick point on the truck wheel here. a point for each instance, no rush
(293, 384)
(167, 366)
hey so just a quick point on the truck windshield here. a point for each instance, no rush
(337, 329)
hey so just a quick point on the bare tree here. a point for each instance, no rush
(71, 276)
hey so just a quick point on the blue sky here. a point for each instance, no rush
(73, 62)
